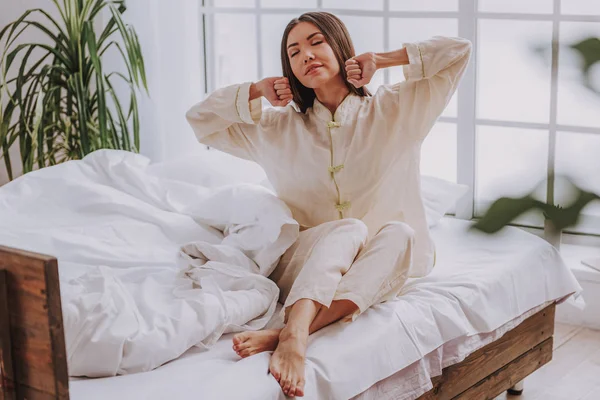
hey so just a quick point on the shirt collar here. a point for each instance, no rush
(345, 108)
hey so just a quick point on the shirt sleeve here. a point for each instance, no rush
(228, 121)
(433, 73)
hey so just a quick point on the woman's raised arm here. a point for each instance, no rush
(433, 69)
(231, 119)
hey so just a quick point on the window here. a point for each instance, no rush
(521, 111)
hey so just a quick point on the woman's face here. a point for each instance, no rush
(312, 59)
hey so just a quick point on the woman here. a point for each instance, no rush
(347, 165)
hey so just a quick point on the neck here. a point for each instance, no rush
(332, 94)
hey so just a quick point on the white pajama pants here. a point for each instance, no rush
(336, 261)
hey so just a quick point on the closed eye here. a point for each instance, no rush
(314, 44)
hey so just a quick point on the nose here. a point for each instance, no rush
(308, 56)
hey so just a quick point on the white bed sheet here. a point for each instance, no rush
(481, 287)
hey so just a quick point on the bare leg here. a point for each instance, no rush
(327, 316)
(246, 344)
(287, 362)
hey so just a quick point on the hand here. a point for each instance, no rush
(360, 69)
(277, 90)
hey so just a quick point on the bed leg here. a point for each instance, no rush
(516, 390)
(7, 387)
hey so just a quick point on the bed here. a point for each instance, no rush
(480, 323)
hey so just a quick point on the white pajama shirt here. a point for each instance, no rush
(361, 164)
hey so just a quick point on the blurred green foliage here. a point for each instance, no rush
(506, 209)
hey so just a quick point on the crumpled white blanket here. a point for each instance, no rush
(148, 266)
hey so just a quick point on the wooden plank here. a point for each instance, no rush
(513, 372)
(36, 326)
(7, 388)
(29, 393)
(57, 334)
(457, 378)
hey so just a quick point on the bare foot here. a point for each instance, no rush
(287, 362)
(246, 344)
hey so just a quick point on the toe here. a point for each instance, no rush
(242, 346)
(275, 373)
(292, 391)
(285, 385)
(300, 389)
(243, 353)
(277, 377)
(240, 338)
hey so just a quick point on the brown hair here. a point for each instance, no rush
(337, 37)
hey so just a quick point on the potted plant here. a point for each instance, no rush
(60, 102)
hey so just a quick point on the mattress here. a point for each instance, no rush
(480, 287)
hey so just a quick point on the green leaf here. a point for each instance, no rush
(114, 131)
(505, 210)
(55, 52)
(133, 110)
(93, 51)
(55, 38)
(589, 50)
(80, 102)
(569, 216)
(125, 141)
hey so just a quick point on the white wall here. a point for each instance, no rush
(169, 33)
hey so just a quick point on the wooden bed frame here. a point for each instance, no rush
(33, 357)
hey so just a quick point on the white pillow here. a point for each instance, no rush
(213, 168)
(440, 197)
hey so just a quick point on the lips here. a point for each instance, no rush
(312, 68)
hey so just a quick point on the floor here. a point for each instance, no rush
(573, 373)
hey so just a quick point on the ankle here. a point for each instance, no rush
(293, 332)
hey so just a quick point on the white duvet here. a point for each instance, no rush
(482, 286)
(148, 266)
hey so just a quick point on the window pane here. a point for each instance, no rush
(583, 7)
(517, 6)
(424, 5)
(577, 104)
(438, 152)
(231, 52)
(512, 81)
(272, 27)
(234, 3)
(354, 4)
(578, 156)
(289, 4)
(407, 30)
(367, 35)
(510, 162)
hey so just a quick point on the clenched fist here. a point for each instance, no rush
(275, 89)
(360, 69)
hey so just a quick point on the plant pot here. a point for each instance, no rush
(552, 234)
